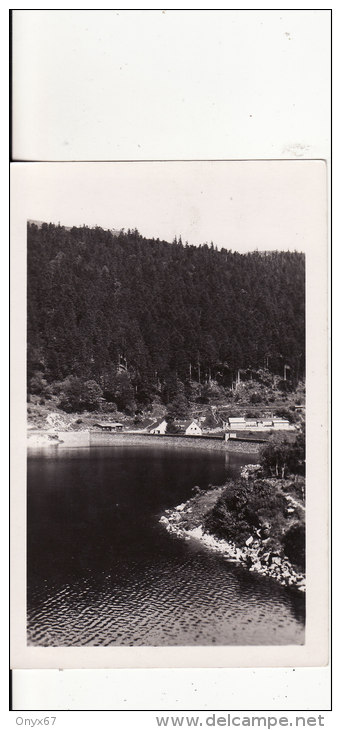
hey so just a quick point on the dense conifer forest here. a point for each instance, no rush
(134, 317)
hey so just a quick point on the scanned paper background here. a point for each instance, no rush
(284, 77)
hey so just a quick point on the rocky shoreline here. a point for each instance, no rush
(185, 522)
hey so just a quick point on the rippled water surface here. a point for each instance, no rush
(102, 570)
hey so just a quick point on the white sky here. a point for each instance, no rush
(239, 205)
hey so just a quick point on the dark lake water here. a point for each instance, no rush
(103, 571)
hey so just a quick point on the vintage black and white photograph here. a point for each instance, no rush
(166, 403)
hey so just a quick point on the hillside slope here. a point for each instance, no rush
(99, 301)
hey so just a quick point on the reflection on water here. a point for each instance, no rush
(102, 570)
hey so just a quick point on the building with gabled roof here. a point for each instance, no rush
(158, 427)
(189, 427)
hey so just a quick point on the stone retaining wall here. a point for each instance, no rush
(211, 444)
(79, 439)
(244, 447)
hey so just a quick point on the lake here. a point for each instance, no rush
(102, 570)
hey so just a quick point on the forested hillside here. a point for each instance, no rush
(160, 312)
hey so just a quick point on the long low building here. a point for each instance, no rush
(240, 423)
(109, 426)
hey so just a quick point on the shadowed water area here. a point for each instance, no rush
(103, 571)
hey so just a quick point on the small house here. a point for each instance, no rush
(107, 426)
(190, 428)
(193, 429)
(158, 427)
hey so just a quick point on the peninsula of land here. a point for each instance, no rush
(255, 521)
